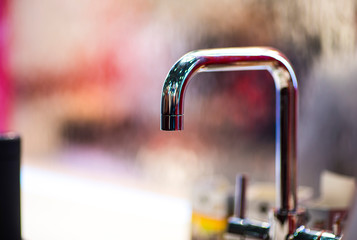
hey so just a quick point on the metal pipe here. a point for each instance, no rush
(240, 59)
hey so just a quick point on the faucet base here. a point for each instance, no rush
(284, 224)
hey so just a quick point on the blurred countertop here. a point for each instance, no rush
(60, 204)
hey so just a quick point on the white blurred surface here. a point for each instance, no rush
(63, 206)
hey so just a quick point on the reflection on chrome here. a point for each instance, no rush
(285, 218)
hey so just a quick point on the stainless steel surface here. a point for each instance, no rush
(240, 59)
(247, 228)
(286, 218)
(303, 233)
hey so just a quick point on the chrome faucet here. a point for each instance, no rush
(285, 223)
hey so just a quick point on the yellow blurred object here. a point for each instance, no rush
(210, 208)
(204, 224)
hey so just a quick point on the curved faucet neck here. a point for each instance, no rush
(238, 59)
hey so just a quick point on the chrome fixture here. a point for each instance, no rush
(286, 216)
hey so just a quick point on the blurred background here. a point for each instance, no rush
(81, 82)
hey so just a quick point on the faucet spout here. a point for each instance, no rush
(238, 59)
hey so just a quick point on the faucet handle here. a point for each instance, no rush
(240, 196)
(238, 226)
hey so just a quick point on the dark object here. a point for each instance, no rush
(241, 188)
(10, 221)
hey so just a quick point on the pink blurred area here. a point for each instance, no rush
(6, 86)
(93, 55)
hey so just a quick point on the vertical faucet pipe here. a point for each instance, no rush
(238, 59)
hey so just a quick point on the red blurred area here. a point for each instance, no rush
(256, 102)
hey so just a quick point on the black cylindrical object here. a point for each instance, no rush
(10, 218)
(240, 196)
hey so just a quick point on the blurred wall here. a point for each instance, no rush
(90, 73)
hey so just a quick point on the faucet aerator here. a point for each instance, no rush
(171, 122)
